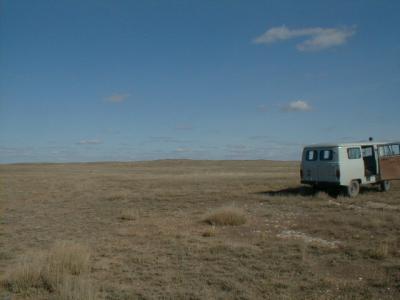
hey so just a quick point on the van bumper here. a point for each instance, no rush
(321, 183)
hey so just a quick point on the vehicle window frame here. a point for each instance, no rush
(369, 148)
(322, 157)
(354, 148)
(315, 156)
(397, 152)
(387, 150)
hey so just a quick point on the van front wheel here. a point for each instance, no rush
(385, 186)
(353, 189)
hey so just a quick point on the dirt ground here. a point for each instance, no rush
(144, 225)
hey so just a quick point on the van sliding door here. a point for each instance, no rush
(389, 161)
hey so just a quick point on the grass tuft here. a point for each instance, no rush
(128, 215)
(118, 196)
(68, 258)
(62, 270)
(381, 251)
(209, 232)
(228, 215)
(76, 288)
(26, 274)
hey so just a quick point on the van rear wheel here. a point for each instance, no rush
(385, 186)
(353, 189)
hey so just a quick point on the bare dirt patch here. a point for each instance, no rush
(380, 205)
(291, 234)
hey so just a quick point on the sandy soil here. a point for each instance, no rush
(144, 225)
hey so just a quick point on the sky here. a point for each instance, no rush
(142, 80)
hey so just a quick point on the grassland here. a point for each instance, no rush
(191, 230)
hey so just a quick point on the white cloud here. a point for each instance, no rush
(117, 98)
(298, 105)
(183, 150)
(317, 38)
(89, 142)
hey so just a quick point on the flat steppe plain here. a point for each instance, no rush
(144, 225)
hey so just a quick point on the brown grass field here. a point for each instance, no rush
(192, 230)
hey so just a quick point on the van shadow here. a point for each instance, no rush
(365, 190)
(303, 191)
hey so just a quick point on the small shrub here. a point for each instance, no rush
(209, 232)
(228, 215)
(128, 215)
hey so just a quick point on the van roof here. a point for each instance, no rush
(355, 144)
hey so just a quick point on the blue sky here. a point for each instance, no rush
(138, 80)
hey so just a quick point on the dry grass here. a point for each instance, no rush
(63, 271)
(27, 274)
(381, 251)
(209, 232)
(68, 257)
(118, 196)
(226, 216)
(295, 244)
(76, 288)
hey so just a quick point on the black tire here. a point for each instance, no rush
(353, 189)
(384, 186)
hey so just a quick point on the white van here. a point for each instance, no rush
(350, 165)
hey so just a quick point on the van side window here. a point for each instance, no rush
(396, 149)
(367, 152)
(385, 150)
(354, 153)
(326, 155)
(311, 155)
(389, 150)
